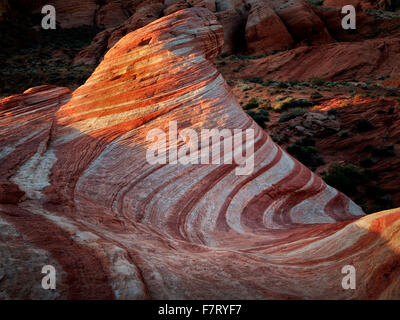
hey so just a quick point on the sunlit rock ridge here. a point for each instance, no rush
(78, 193)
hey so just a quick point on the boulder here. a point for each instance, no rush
(265, 31)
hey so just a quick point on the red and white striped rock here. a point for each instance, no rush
(115, 226)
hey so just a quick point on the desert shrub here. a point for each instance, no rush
(282, 85)
(286, 117)
(385, 151)
(307, 141)
(298, 111)
(363, 125)
(317, 3)
(253, 103)
(382, 201)
(358, 96)
(265, 104)
(317, 81)
(333, 112)
(268, 82)
(293, 113)
(290, 103)
(293, 82)
(251, 57)
(224, 55)
(346, 178)
(256, 80)
(305, 151)
(238, 68)
(368, 148)
(367, 162)
(392, 92)
(260, 117)
(315, 95)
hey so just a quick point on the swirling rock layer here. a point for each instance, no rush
(115, 226)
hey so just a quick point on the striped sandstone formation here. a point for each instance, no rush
(79, 194)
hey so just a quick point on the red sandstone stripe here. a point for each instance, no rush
(87, 276)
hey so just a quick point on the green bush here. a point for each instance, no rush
(317, 3)
(268, 82)
(305, 151)
(290, 103)
(260, 117)
(256, 80)
(363, 125)
(392, 92)
(286, 117)
(282, 85)
(224, 55)
(293, 113)
(252, 104)
(346, 178)
(367, 162)
(315, 95)
(385, 151)
(382, 201)
(333, 112)
(317, 81)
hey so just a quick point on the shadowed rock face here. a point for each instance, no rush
(252, 26)
(115, 226)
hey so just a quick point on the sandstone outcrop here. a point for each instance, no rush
(251, 26)
(301, 21)
(265, 31)
(111, 15)
(363, 60)
(75, 13)
(234, 25)
(115, 226)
